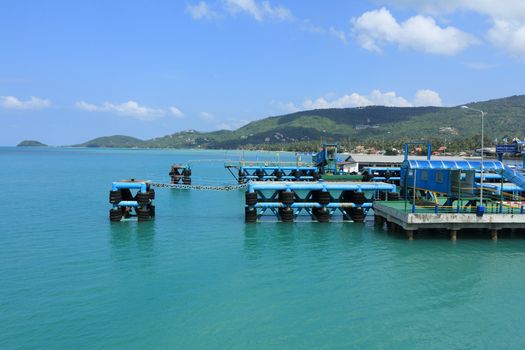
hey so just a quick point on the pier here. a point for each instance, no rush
(398, 216)
(320, 201)
(451, 196)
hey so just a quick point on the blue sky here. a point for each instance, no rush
(71, 71)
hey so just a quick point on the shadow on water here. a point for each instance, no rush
(132, 239)
(302, 235)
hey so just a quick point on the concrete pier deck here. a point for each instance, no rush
(399, 214)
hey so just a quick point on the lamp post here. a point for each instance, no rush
(481, 209)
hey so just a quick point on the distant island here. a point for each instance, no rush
(372, 127)
(31, 143)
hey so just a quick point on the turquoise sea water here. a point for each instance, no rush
(198, 277)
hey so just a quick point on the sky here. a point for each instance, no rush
(71, 71)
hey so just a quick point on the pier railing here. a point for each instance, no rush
(495, 208)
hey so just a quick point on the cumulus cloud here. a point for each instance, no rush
(201, 11)
(177, 113)
(12, 102)
(423, 97)
(509, 36)
(427, 97)
(507, 18)
(128, 109)
(377, 28)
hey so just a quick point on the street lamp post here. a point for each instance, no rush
(481, 209)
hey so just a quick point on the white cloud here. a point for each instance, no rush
(128, 109)
(377, 28)
(507, 17)
(306, 25)
(11, 102)
(276, 12)
(177, 113)
(259, 10)
(206, 116)
(424, 97)
(480, 65)
(202, 11)
(427, 97)
(509, 36)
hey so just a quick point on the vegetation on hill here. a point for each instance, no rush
(374, 126)
(31, 143)
(113, 141)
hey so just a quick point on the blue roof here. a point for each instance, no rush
(455, 164)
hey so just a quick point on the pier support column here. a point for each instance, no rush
(410, 235)
(453, 235)
(378, 220)
(494, 235)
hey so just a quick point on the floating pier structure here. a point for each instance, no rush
(126, 204)
(180, 173)
(451, 196)
(383, 174)
(320, 201)
(277, 173)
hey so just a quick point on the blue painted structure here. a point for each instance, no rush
(383, 174)
(450, 177)
(277, 173)
(123, 200)
(351, 199)
(326, 160)
(514, 148)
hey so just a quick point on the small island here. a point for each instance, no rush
(31, 143)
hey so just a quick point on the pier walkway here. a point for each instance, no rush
(199, 187)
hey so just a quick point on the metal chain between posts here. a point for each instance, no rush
(200, 187)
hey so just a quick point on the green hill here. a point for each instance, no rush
(113, 141)
(505, 117)
(31, 143)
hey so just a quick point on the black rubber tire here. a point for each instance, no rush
(143, 214)
(251, 198)
(250, 214)
(151, 193)
(186, 181)
(186, 172)
(323, 197)
(259, 173)
(316, 176)
(357, 215)
(115, 214)
(278, 174)
(115, 196)
(142, 198)
(286, 214)
(347, 197)
(393, 196)
(295, 173)
(359, 198)
(152, 211)
(322, 215)
(286, 197)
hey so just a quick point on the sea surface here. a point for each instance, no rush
(198, 277)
